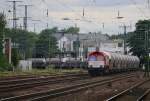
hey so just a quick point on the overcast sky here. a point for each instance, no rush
(97, 12)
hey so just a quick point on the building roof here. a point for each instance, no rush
(82, 36)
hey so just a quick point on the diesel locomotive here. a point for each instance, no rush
(100, 62)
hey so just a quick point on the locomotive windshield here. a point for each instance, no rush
(92, 58)
(96, 58)
(100, 58)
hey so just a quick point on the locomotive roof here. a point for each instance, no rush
(116, 55)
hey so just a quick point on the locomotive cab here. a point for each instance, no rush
(96, 63)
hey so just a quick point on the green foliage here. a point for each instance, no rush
(4, 65)
(46, 46)
(2, 27)
(136, 40)
(72, 30)
(15, 57)
(23, 40)
(119, 36)
(2, 21)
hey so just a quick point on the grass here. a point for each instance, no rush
(48, 71)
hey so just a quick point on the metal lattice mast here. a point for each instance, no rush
(25, 19)
(14, 13)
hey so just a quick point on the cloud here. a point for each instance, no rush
(96, 13)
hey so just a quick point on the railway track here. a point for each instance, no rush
(137, 92)
(13, 85)
(49, 94)
(17, 79)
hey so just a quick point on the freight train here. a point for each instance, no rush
(101, 62)
(63, 63)
(67, 63)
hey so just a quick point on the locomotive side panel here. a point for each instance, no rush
(105, 62)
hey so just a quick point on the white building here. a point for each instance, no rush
(88, 42)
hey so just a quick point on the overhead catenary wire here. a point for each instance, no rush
(148, 4)
(84, 19)
(72, 10)
(140, 10)
(14, 13)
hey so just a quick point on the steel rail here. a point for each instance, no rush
(66, 90)
(17, 77)
(113, 98)
(36, 78)
(141, 98)
(36, 83)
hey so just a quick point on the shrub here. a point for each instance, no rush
(4, 65)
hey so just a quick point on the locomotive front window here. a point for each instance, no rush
(96, 58)
(100, 58)
(92, 58)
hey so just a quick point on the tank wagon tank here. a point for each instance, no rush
(100, 62)
(38, 63)
(67, 63)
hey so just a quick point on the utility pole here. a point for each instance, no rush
(25, 18)
(125, 37)
(125, 32)
(35, 24)
(103, 25)
(47, 18)
(34, 27)
(14, 13)
(148, 3)
(83, 12)
(77, 43)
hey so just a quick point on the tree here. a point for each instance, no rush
(46, 46)
(72, 30)
(23, 40)
(4, 65)
(136, 41)
(137, 38)
(2, 27)
(15, 57)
